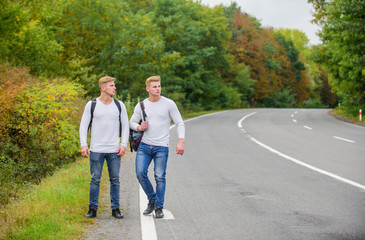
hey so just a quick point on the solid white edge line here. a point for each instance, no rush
(300, 162)
(241, 120)
(148, 228)
(343, 139)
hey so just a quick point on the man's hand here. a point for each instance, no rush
(121, 151)
(180, 146)
(85, 152)
(143, 126)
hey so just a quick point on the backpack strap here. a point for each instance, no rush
(120, 111)
(92, 109)
(93, 104)
(144, 115)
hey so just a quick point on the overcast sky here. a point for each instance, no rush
(278, 14)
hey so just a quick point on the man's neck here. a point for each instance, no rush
(154, 98)
(106, 99)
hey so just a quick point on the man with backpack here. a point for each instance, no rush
(159, 112)
(107, 120)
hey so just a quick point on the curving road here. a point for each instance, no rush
(261, 174)
(232, 184)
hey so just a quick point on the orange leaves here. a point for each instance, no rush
(12, 81)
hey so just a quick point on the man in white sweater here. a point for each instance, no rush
(155, 142)
(106, 119)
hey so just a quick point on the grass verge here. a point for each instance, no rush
(54, 209)
(340, 114)
(196, 114)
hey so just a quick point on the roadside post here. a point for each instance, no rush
(360, 115)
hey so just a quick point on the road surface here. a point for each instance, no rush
(255, 174)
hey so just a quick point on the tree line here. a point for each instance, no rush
(52, 54)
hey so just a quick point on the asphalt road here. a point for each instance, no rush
(260, 174)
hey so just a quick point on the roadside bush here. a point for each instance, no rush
(40, 133)
(314, 103)
(280, 99)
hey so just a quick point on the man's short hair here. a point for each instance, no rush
(152, 79)
(105, 80)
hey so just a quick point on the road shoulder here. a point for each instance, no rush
(128, 228)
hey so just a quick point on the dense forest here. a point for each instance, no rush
(53, 52)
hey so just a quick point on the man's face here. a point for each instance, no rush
(154, 89)
(109, 88)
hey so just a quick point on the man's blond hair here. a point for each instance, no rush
(105, 80)
(152, 79)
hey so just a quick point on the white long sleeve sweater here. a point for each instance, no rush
(105, 127)
(159, 115)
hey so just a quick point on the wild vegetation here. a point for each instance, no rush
(53, 52)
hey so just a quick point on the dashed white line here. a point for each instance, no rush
(294, 120)
(307, 127)
(344, 139)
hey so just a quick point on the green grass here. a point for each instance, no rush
(196, 114)
(350, 118)
(54, 209)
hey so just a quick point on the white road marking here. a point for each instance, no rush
(294, 120)
(241, 120)
(167, 215)
(307, 127)
(147, 223)
(344, 139)
(300, 162)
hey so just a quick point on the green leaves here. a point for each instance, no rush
(343, 51)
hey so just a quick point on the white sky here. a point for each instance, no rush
(278, 14)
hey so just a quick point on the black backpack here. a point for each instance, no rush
(93, 104)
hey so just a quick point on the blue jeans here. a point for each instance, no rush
(145, 154)
(96, 168)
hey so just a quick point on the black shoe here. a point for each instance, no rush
(159, 213)
(116, 213)
(91, 213)
(149, 209)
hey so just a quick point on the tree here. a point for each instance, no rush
(273, 60)
(112, 40)
(343, 49)
(198, 35)
(27, 38)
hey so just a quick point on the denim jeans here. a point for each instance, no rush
(145, 154)
(96, 167)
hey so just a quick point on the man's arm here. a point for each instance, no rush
(125, 126)
(180, 128)
(83, 129)
(136, 118)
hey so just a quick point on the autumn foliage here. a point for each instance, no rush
(38, 127)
